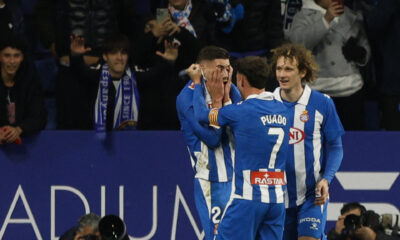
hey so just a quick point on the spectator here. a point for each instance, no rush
(336, 36)
(22, 109)
(159, 99)
(88, 225)
(195, 16)
(289, 9)
(93, 20)
(153, 40)
(257, 33)
(384, 25)
(114, 81)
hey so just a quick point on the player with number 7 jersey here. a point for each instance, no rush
(260, 128)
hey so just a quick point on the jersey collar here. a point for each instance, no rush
(305, 97)
(263, 96)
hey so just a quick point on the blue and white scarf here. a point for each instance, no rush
(182, 17)
(126, 101)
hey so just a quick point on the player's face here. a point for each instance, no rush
(10, 60)
(116, 62)
(287, 73)
(222, 65)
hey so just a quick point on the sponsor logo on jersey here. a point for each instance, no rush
(267, 178)
(304, 117)
(310, 219)
(273, 119)
(296, 135)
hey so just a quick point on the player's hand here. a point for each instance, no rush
(215, 86)
(11, 133)
(194, 73)
(228, 85)
(78, 46)
(334, 10)
(227, 89)
(170, 52)
(321, 192)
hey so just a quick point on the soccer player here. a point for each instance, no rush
(260, 128)
(315, 145)
(211, 150)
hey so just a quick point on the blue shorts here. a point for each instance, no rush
(210, 199)
(306, 220)
(247, 219)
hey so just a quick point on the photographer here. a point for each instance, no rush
(87, 229)
(347, 209)
(356, 223)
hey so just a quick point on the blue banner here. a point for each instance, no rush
(146, 178)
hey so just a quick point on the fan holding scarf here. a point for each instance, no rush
(114, 84)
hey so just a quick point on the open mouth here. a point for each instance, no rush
(283, 81)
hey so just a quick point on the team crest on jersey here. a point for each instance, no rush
(304, 117)
(296, 135)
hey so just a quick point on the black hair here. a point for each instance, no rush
(14, 40)
(351, 206)
(210, 53)
(256, 70)
(117, 42)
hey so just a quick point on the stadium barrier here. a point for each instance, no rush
(53, 178)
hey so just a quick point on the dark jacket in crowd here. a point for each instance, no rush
(94, 20)
(30, 113)
(383, 22)
(261, 28)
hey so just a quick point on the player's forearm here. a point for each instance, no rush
(199, 105)
(334, 155)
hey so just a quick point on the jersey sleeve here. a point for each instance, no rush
(332, 127)
(235, 94)
(334, 156)
(215, 117)
(210, 136)
(201, 111)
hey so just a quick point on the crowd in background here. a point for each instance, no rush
(356, 48)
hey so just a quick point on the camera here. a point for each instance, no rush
(368, 219)
(386, 226)
(111, 227)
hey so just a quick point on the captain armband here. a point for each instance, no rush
(213, 118)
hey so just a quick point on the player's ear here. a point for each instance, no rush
(303, 73)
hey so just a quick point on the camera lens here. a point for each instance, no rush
(352, 222)
(112, 227)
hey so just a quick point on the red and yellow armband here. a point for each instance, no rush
(213, 117)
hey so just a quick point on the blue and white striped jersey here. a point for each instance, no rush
(260, 127)
(211, 150)
(313, 121)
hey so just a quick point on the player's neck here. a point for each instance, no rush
(252, 91)
(292, 94)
